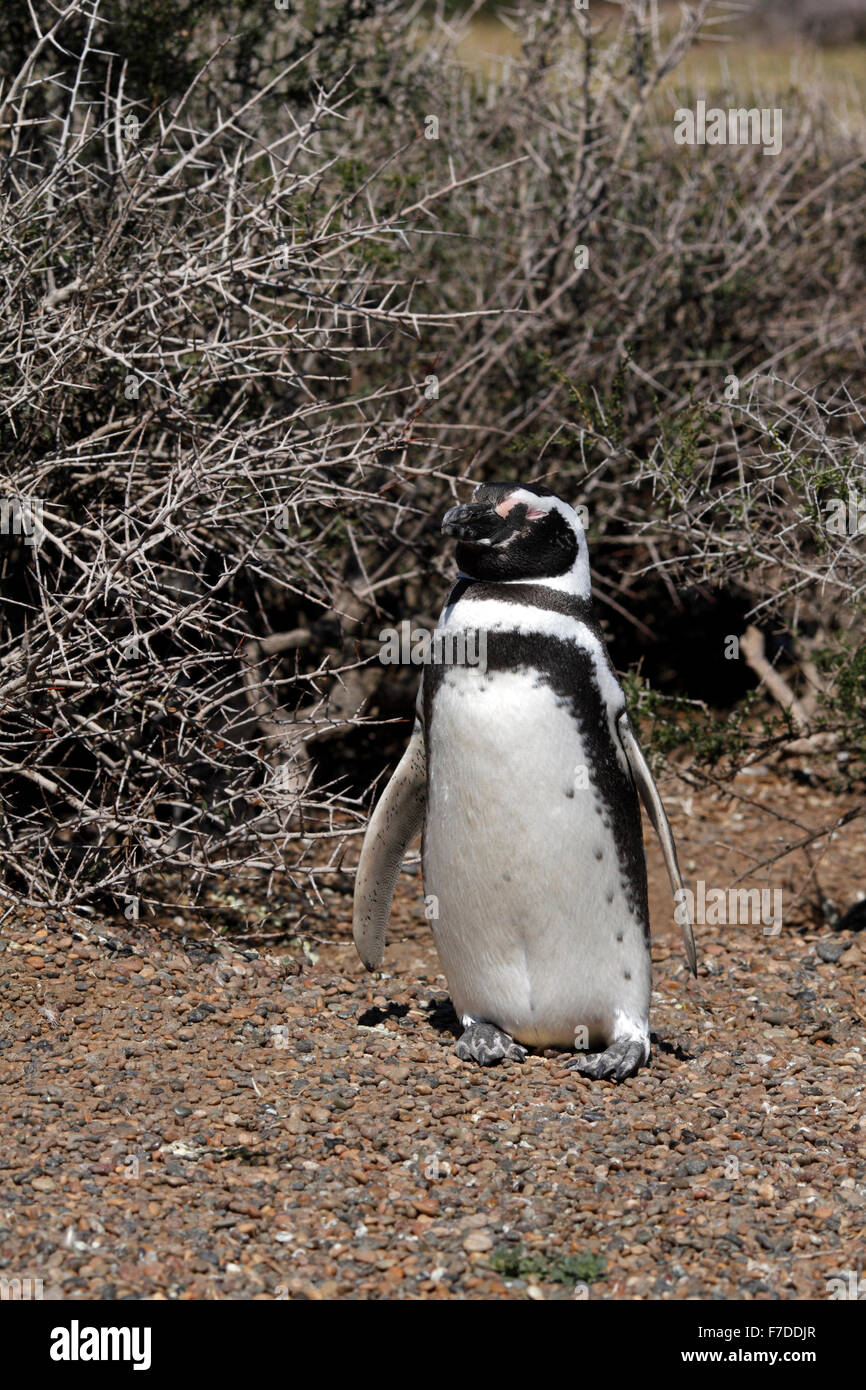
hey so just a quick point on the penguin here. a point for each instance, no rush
(524, 773)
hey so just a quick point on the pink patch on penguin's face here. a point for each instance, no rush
(533, 514)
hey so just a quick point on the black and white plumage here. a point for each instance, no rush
(525, 774)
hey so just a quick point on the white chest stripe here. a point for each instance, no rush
(526, 620)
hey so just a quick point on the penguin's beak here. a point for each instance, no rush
(476, 523)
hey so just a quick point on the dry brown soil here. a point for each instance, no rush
(184, 1120)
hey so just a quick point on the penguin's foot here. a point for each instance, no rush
(486, 1044)
(623, 1058)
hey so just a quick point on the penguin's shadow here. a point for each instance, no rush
(374, 1015)
(672, 1049)
(442, 1015)
(440, 1012)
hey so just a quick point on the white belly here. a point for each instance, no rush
(532, 924)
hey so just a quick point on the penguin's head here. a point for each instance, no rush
(512, 531)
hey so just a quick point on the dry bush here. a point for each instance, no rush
(694, 378)
(189, 459)
(255, 333)
(829, 22)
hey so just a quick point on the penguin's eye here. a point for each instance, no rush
(508, 505)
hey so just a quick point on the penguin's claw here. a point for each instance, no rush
(622, 1059)
(486, 1044)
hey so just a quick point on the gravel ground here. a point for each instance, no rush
(190, 1121)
